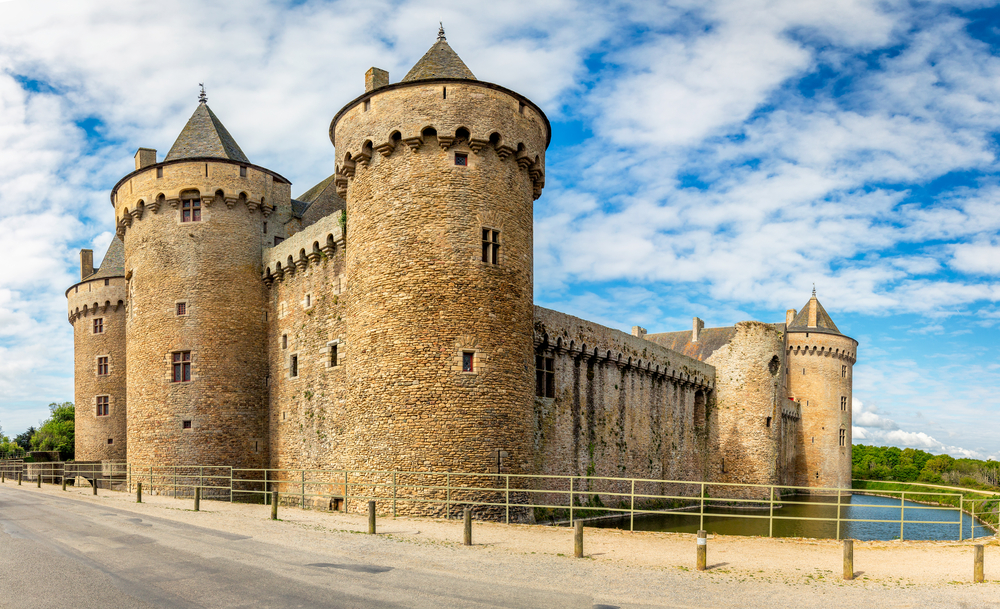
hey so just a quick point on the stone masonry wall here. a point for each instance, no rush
(99, 437)
(421, 295)
(750, 391)
(306, 320)
(623, 406)
(820, 375)
(214, 267)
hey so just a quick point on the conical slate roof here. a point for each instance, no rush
(113, 263)
(813, 310)
(439, 62)
(205, 136)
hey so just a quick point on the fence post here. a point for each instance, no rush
(770, 515)
(138, 492)
(197, 498)
(631, 516)
(38, 478)
(19, 478)
(571, 500)
(302, 490)
(838, 514)
(702, 550)
(393, 496)
(64, 481)
(345, 491)
(977, 570)
(961, 516)
(507, 498)
(578, 539)
(902, 511)
(95, 484)
(371, 517)
(447, 491)
(467, 516)
(848, 559)
(274, 505)
(701, 517)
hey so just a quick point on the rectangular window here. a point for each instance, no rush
(102, 366)
(545, 381)
(491, 246)
(467, 361)
(159, 172)
(107, 281)
(243, 171)
(190, 210)
(284, 341)
(293, 368)
(461, 159)
(368, 105)
(333, 355)
(843, 371)
(182, 308)
(99, 325)
(186, 425)
(843, 437)
(182, 367)
(111, 441)
(102, 405)
(843, 402)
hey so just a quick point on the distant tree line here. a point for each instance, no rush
(53, 434)
(914, 465)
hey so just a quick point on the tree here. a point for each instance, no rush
(24, 439)
(56, 433)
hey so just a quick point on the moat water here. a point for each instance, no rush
(921, 520)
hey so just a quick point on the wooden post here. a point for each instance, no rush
(95, 485)
(138, 493)
(371, 517)
(19, 478)
(197, 498)
(848, 559)
(977, 571)
(38, 479)
(467, 513)
(578, 538)
(702, 550)
(64, 481)
(274, 505)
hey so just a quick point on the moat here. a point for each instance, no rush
(922, 521)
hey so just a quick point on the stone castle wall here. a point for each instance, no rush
(306, 320)
(623, 406)
(99, 437)
(820, 375)
(750, 391)
(420, 294)
(214, 267)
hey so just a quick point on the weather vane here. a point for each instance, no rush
(202, 98)
(441, 31)
(814, 289)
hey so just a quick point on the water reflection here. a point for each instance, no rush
(922, 522)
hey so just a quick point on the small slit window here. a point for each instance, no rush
(843, 437)
(293, 366)
(111, 441)
(159, 172)
(243, 171)
(186, 425)
(107, 282)
(461, 159)
(843, 402)
(468, 364)
(284, 341)
(368, 105)
(182, 308)
(768, 422)
(333, 354)
(843, 371)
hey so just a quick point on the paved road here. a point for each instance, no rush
(57, 552)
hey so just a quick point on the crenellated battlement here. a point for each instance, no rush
(310, 246)
(93, 297)
(217, 183)
(823, 351)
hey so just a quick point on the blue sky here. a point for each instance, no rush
(708, 158)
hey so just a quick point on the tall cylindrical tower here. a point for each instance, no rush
(97, 312)
(440, 172)
(820, 363)
(193, 229)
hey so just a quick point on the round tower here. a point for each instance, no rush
(820, 365)
(97, 312)
(193, 228)
(440, 172)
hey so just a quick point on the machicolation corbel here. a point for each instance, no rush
(386, 148)
(478, 145)
(504, 151)
(414, 143)
(445, 141)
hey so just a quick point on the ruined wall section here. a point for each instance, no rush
(99, 437)
(306, 321)
(623, 406)
(791, 442)
(820, 377)
(750, 393)
(213, 266)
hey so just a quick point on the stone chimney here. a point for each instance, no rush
(86, 263)
(638, 331)
(375, 78)
(790, 317)
(144, 158)
(698, 326)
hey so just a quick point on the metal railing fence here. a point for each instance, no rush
(516, 497)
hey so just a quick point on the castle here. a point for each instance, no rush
(384, 319)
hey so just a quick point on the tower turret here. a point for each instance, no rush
(193, 228)
(820, 374)
(440, 172)
(97, 312)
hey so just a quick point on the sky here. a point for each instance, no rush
(711, 159)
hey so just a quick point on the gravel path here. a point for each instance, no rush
(620, 569)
